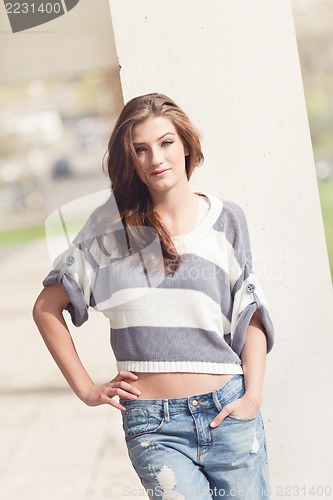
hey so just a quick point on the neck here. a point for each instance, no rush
(172, 202)
(177, 209)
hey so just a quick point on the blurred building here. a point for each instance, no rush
(59, 96)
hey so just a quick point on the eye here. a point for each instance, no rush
(167, 143)
(139, 150)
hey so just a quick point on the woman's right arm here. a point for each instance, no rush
(47, 313)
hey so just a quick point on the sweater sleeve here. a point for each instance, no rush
(76, 274)
(246, 291)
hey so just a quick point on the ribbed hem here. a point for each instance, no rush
(180, 366)
(199, 232)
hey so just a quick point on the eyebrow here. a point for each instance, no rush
(168, 133)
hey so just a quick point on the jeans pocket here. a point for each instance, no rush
(236, 390)
(137, 421)
(237, 419)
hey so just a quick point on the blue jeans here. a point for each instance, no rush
(177, 455)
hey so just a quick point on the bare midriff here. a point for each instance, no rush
(177, 385)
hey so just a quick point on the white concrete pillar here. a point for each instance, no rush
(233, 66)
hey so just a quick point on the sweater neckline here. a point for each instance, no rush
(206, 224)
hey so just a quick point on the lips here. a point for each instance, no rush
(160, 172)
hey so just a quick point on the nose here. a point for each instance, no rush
(156, 157)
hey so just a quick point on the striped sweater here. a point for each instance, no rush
(193, 321)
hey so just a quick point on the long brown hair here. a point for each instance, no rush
(131, 194)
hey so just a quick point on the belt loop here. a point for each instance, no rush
(216, 400)
(166, 410)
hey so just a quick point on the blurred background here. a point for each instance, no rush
(314, 31)
(59, 97)
(53, 133)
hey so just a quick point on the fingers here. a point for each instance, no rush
(123, 374)
(127, 392)
(115, 404)
(220, 416)
(103, 394)
(121, 389)
(241, 408)
(123, 386)
(107, 394)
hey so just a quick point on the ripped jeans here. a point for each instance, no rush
(177, 455)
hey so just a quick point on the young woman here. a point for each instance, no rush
(190, 328)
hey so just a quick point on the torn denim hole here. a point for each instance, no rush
(146, 444)
(167, 480)
(255, 444)
(149, 443)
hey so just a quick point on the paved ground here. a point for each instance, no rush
(53, 447)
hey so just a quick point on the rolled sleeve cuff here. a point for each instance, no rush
(77, 307)
(243, 323)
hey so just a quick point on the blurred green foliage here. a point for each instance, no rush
(11, 237)
(326, 200)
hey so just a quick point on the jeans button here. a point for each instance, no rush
(195, 402)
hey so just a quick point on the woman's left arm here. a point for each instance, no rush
(253, 361)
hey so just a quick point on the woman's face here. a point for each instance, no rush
(161, 154)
